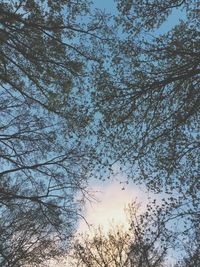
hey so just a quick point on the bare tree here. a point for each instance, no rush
(153, 234)
(137, 247)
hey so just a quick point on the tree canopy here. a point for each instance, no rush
(48, 49)
(149, 102)
(150, 99)
(80, 92)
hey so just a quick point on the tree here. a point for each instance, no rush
(47, 51)
(191, 249)
(140, 246)
(102, 250)
(153, 234)
(149, 100)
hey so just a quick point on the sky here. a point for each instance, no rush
(112, 198)
(108, 5)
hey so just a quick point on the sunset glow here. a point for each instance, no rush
(109, 209)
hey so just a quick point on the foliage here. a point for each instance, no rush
(148, 100)
(61, 66)
(191, 249)
(47, 51)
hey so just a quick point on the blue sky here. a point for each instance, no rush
(110, 7)
(107, 5)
